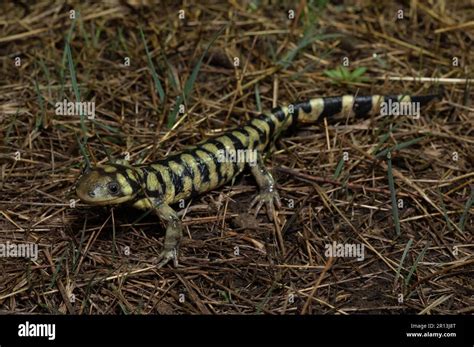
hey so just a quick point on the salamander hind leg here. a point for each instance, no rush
(268, 195)
(174, 233)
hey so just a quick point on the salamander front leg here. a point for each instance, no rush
(174, 233)
(268, 194)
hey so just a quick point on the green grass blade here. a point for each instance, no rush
(415, 265)
(114, 239)
(469, 202)
(342, 74)
(46, 73)
(345, 74)
(84, 153)
(64, 58)
(265, 300)
(95, 38)
(171, 76)
(75, 87)
(269, 46)
(105, 126)
(83, 32)
(405, 252)
(358, 72)
(445, 212)
(339, 167)
(331, 74)
(308, 38)
(77, 251)
(57, 270)
(258, 101)
(122, 40)
(188, 86)
(174, 112)
(408, 143)
(104, 147)
(308, 68)
(400, 146)
(383, 139)
(393, 195)
(39, 119)
(159, 88)
(72, 72)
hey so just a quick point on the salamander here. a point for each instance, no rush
(213, 163)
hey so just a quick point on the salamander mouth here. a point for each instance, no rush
(84, 195)
(108, 201)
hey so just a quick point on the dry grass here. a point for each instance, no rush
(281, 267)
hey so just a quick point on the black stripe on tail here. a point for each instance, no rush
(361, 106)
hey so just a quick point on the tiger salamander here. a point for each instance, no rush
(201, 168)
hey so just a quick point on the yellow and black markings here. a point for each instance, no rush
(207, 166)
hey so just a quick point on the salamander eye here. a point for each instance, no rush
(113, 188)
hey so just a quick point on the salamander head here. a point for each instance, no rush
(107, 185)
